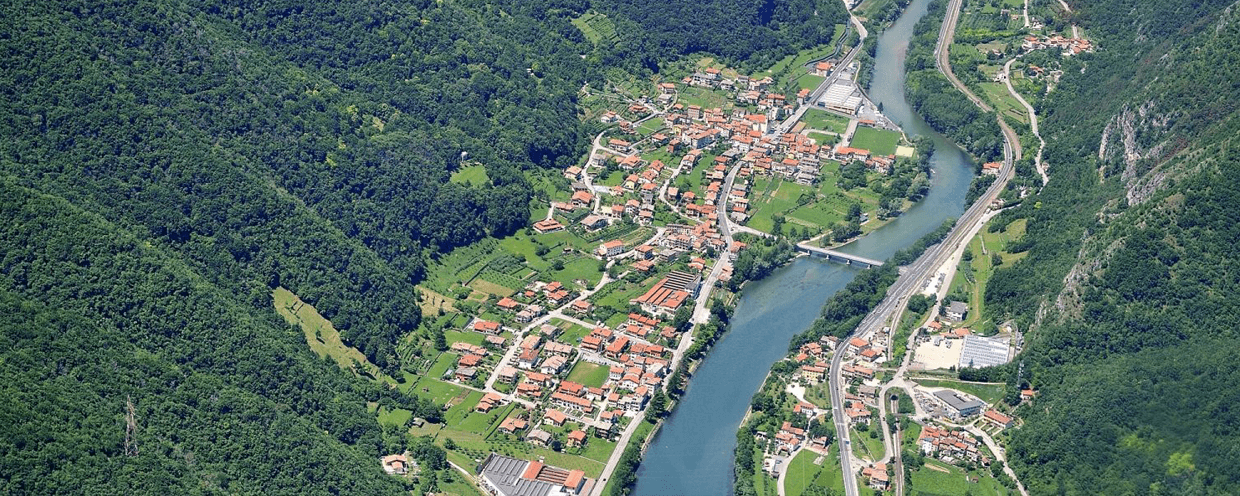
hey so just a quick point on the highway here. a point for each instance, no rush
(916, 273)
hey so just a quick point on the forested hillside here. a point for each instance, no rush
(166, 164)
(755, 34)
(1129, 292)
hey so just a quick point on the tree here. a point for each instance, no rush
(441, 342)
(681, 319)
(658, 404)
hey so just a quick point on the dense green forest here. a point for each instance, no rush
(1129, 291)
(931, 94)
(755, 34)
(166, 164)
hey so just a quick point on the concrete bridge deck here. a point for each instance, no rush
(836, 256)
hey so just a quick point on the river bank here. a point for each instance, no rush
(693, 452)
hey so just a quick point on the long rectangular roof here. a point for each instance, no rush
(505, 474)
(983, 352)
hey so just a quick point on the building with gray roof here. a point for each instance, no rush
(506, 476)
(958, 405)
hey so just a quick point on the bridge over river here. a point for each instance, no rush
(836, 256)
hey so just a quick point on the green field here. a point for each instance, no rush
(650, 126)
(1002, 99)
(990, 393)
(865, 446)
(782, 200)
(824, 121)
(474, 338)
(395, 416)
(474, 175)
(436, 390)
(597, 28)
(590, 374)
(823, 139)
(445, 362)
(972, 276)
(703, 97)
(322, 337)
(952, 482)
(596, 449)
(584, 268)
(809, 81)
(572, 332)
(802, 473)
(877, 141)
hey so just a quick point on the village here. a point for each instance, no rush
(945, 427)
(558, 342)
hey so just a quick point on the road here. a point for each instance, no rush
(1033, 120)
(701, 308)
(1075, 31)
(910, 281)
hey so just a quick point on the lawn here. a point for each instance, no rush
(878, 141)
(572, 332)
(927, 481)
(565, 237)
(809, 81)
(650, 126)
(865, 446)
(823, 139)
(458, 412)
(396, 416)
(619, 297)
(435, 390)
(483, 423)
(585, 268)
(445, 362)
(802, 472)
(596, 449)
(587, 373)
(473, 175)
(459, 486)
(494, 283)
(990, 393)
(322, 337)
(825, 121)
(474, 338)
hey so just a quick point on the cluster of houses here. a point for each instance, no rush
(1070, 46)
(750, 140)
(789, 439)
(950, 445)
(866, 352)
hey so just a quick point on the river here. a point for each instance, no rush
(692, 454)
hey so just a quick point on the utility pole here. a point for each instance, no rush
(131, 428)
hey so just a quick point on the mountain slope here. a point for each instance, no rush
(1129, 291)
(166, 164)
